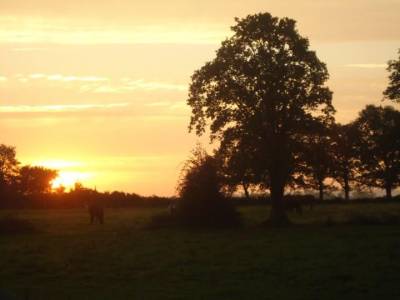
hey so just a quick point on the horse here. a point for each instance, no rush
(96, 213)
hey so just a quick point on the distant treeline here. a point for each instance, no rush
(79, 198)
(31, 187)
(362, 157)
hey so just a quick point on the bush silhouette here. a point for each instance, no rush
(201, 201)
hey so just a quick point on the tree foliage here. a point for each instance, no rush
(264, 87)
(379, 147)
(201, 200)
(239, 166)
(345, 156)
(392, 92)
(317, 160)
(8, 165)
(36, 180)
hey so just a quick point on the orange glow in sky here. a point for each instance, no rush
(98, 91)
(69, 172)
(68, 179)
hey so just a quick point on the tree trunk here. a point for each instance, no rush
(246, 191)
(346, 190)
(278, 179)
(278, 215)
(389, 191)
(321, 190)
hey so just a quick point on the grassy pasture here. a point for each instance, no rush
(322, 257)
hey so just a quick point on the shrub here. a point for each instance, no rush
(201, 202)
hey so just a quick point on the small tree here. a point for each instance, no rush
(201, 201)
(345, 154)
(8, 170)
(392, 92)
(317, 161)
(36, 179)
(379, 147)
(239, 165)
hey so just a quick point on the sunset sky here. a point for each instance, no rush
(97, 89)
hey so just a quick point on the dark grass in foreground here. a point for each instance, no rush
(66, 258)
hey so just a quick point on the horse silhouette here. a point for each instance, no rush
(96, 213)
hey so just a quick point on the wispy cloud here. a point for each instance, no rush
(366, 66)
(126, 85)
(159, 104)
(62, 31)
(172, 106)
(66, 78)
(152, 85)
(100, 84)
(28, 49)
(57, 108)
(106, 89)
(3, 78)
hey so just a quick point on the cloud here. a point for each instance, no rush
(189, 21)
(67, 78)
(127, 85)
(34, 30)
(169, 106)
(101, 163)
(57, 108)
(367, 66)
(28, 49)
(159, 104)
(99, 84)
(106, 89)
(152, 85)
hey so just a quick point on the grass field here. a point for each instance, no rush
(69, 259)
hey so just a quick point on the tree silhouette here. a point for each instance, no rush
(392, 92)
(264, 85)
(239, 167)
(8, 167)
(36, 180)
(201, 200)
(345, 140)
(317, 159)
(380, 147)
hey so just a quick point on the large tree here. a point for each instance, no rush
(392, 92)
(380, 147)
(264, 85)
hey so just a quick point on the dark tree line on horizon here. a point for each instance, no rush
(361, 155)
(31, 187)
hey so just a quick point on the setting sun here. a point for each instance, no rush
(68, 179)
(69, 172)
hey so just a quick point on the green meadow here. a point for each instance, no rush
(335, 251)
